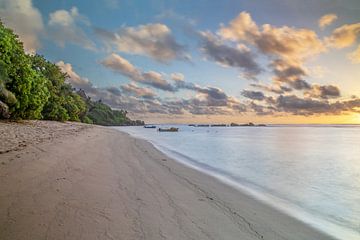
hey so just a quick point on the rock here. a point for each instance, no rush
(4, 110)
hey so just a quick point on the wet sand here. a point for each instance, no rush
(77, 181)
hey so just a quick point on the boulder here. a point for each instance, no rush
(4, 110)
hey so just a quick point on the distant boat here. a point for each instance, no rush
(172, 129)
(149, 126)
(250, 124)
(218, 125)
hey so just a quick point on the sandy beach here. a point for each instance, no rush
(77, 181)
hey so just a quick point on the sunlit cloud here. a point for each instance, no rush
(152, 40)
(344, 36)
(323, 92)
(292, 44)
(274, 88)
(286, 61)
(119, 64)
(25, 19)
(73, 78)
(327, 20)
(64, 27)
(132, 88)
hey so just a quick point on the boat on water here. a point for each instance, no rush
(149, 126)
(172, 129)
(218, 125)
(250, 124)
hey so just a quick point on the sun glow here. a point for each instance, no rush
(357, 118)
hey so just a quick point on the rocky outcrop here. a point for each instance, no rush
(4, 110)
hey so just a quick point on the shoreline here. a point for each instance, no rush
(332, 230)
(102, 183)
(267, 199)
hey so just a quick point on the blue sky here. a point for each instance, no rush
(272, 61)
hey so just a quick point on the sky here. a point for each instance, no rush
(205, 61)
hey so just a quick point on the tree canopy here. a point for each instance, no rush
(32, 87)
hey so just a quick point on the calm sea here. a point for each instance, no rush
(310, 172)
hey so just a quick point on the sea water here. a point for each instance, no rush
(310, 172)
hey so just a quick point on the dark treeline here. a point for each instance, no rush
(33, 88)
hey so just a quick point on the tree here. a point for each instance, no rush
(31, 87)
(63, 104)
(23, 89)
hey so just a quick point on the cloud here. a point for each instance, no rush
(110, 95)
(287, 47)
(301, 106)
(229, 56)
(292, 44)
(254, 95)
(133, 89)
(344, 36)
(177, 76)
(212, 100)
(209, 100)
(290, 73)
(73, 78)
(327, 20)
(25, 20)
(124, 67)
(157, 80)
(241, 28)
(114, 90)
(213, 96)
(64, 27)
(152, 40)
(260, 109)
(276, 88)
(209, 96)
(323, 92)
(308, 106)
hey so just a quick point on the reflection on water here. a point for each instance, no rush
(315, 168)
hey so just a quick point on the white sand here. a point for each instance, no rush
(73, 181)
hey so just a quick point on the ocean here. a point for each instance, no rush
(311, 172)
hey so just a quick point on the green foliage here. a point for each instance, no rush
(102, 114)
(87, 120)
(75, 107)
(25, 85)
(63, 103)
(33, 88)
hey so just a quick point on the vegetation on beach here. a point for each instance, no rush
(31, 87)
(101, 114)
